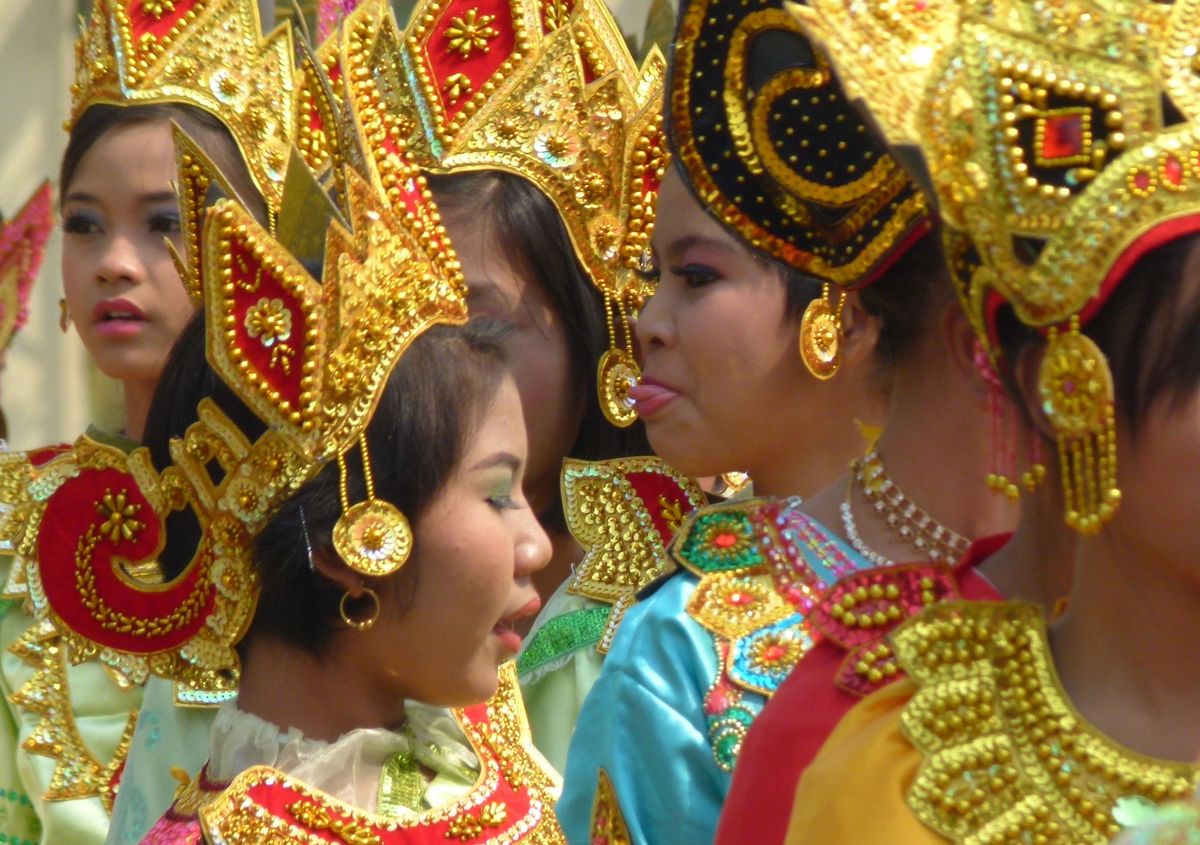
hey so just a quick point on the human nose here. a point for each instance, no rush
(119, 260)
(533, 545)
(654, 327)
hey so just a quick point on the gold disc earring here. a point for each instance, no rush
(821, 335)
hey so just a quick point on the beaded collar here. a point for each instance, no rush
(511, 803)
(1007, 757)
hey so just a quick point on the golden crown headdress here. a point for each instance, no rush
(211, 54)
(545, 89)
(309, 357)
(1062, 143)
(22, 246)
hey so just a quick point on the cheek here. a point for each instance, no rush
(550, 401)
(76, 275)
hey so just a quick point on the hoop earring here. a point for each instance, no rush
(359, 624)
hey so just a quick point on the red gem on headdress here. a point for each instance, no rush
(1173, 170)
(1062, 136)
(1141, 180)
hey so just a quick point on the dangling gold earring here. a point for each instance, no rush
(360, 624)
(821, 335)
(1077, 393)
(64, 316)
(372, 537)
(618, 370)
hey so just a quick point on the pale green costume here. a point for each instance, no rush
(100, 711)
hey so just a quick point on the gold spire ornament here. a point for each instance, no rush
(210, 54)
(548, 92)
(22, 246)
(1061, 142)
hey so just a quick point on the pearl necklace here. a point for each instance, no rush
(931, 539)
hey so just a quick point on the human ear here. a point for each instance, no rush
(860, 332)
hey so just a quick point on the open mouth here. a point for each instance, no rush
(506, 628)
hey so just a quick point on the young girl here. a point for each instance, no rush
(334, 664)
(724, 387)
(1067, 733)
(123, 295)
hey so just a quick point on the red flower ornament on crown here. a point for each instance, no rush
(310, 358)
(1061, 141)
(210, 54)
(548, 91)
(22, 246)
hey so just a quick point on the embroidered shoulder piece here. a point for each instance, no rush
(862, 609)
(1007, 758)
(756, 584)
(755, 588)
(513, 801)
(623, 513)
(28, 478)
(608, 824)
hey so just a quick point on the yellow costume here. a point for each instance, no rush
(978, 744)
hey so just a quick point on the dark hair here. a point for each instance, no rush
(903, 298)
(799, 288)
(432, 403)
(536, 243)
(1150, 338)
(207, 131)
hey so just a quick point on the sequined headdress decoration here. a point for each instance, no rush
(545, 89)
(771, 145)
(210, 54)
(311, 359)
(1062, 142)
(22, 246)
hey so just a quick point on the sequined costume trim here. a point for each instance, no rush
(1006, 756)
(563, 635)
(512, 802)
(608, 824)
(755, 588)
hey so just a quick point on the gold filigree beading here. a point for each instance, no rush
(1062, 143)
(549, 92)
(1007, 758)
(211, 54)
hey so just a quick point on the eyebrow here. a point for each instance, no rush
(507, 459)
(484, 290)
(681, 245)
(143, 199)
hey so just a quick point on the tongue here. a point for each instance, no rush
(643, 392)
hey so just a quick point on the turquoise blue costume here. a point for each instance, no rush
(693, 664)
